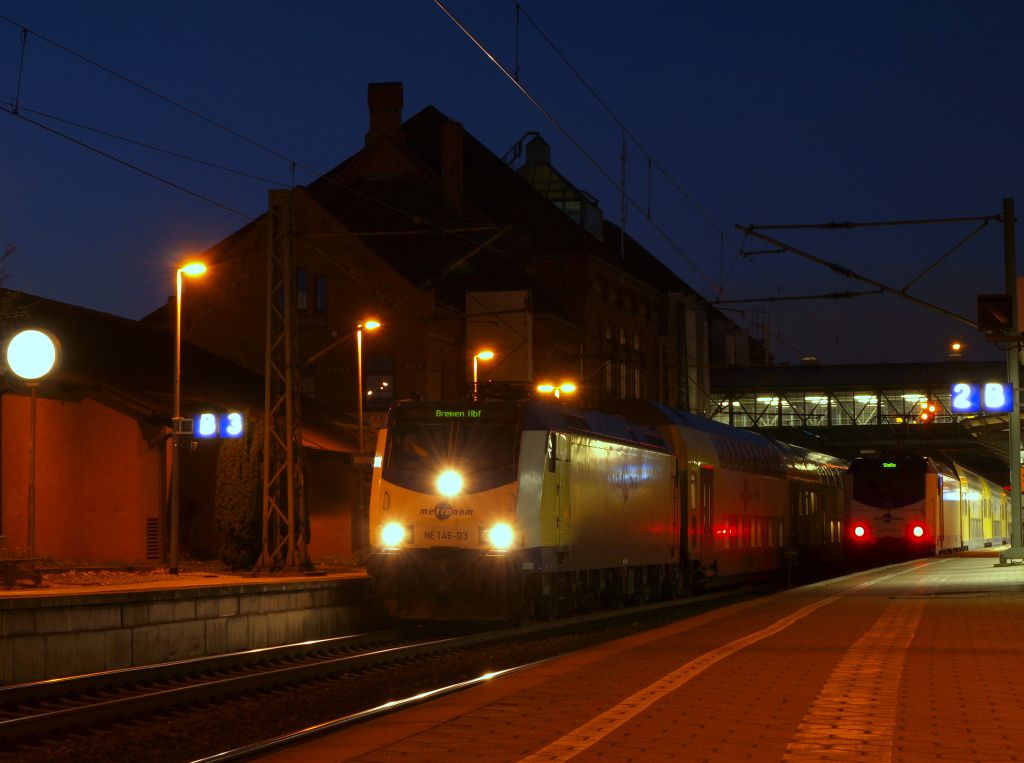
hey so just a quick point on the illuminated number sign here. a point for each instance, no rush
(997, 398)
(991, 397)
(209, 425)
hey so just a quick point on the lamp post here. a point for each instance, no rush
(565, 388)
(31, 355)
(192, 270)
(482, 355)
(369, 325)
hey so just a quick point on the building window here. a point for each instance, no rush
(623, 370)
(320, 294)
(378, 382)
(309, 385)
(608, 376)
(379, 390)
(301, 289)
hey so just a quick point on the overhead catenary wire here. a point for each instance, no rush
(130, 165)
(572, 139)
(156, 149)
(615, 117)
(140, 86)
(321, 175)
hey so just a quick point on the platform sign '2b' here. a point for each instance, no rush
(991, 397)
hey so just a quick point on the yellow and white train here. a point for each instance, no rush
(500, 509)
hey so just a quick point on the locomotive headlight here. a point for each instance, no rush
(449, 483)
(501, 536)
(392, 535)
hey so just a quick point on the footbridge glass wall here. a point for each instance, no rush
(828, 409)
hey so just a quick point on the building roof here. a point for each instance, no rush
(129, 365)
(494, 196)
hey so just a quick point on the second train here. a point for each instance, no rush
(904, 504)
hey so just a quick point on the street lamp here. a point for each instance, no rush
(192, 270)
(565, 388)
(31, 355)
(482, 355)
(369, 325)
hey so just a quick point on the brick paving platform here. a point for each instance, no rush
(912, 663)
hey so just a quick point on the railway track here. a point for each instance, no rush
(50, 707)
(44, 716)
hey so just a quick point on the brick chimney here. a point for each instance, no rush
(451, 165)
(385, 102)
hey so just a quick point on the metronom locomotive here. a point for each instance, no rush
(500, 509)
(905, 504)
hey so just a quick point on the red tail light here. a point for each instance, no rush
(860, 532)
(917, 531)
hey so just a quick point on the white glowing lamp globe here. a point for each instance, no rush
(32, 354)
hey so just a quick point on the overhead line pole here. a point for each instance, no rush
(1016, 550)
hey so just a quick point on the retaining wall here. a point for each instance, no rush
(51, 636)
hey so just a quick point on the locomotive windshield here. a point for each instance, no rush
(888, 483)
(483, 446)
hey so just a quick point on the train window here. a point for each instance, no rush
(418, 444)
(552, 454)
(887, 487)
(485, 445)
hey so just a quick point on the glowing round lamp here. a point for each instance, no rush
(449, 483)
(32, 354)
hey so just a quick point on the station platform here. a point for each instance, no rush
(917, 662)
(84, 622)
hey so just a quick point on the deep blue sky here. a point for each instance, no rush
(761, 112)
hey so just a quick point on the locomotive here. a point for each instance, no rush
(499, 509)
(904, 504)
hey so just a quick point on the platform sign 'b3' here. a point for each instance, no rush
(224, 425)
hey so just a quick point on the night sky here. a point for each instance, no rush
(746, 112)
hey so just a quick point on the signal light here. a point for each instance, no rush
(928, 411)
